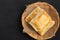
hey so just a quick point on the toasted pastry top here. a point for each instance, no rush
(40, 20)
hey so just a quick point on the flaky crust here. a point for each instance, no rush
(52, 12)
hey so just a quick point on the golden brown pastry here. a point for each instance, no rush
(40, 20)
(48, 10)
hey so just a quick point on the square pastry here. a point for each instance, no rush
(40, 20)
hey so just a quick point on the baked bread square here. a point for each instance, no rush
(40, 20)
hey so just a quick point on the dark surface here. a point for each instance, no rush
(10, 19)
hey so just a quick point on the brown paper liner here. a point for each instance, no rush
(51, 11)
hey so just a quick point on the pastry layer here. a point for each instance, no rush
(40, 20)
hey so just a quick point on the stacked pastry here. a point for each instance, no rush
(40, 20)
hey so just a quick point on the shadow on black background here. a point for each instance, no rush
(10, 19)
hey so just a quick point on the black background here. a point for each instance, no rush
(10, 19)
